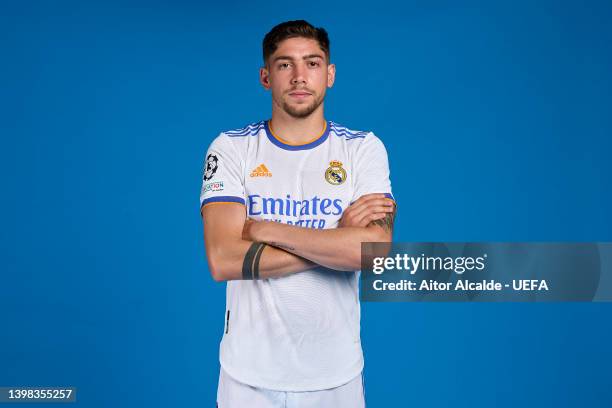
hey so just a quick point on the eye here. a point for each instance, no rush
(283, 65)
(313, 64)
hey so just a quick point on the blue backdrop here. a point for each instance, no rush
(497, 118)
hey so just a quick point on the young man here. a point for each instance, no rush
(286, 204)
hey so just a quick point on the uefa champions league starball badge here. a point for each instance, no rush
(335, 174)
(212, 164)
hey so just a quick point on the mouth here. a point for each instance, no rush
(299, 94)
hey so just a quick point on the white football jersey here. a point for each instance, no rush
(298, 332)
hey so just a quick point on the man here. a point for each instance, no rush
(286, 204)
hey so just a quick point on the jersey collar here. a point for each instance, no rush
(283, 144)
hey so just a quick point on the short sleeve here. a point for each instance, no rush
(222, 180)
(371, 167)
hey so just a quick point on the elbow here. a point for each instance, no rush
(373, 235)
(378, 234)
(352, 256)
(217, 275)
(355, 261)
(216, 271)
(219, 266)
(381, 235)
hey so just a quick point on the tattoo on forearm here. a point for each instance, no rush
(250, 265)
(256, 261)
(281, 246)
(387, 222)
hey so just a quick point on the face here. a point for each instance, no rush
(298, 75)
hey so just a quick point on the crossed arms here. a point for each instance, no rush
(228, 235)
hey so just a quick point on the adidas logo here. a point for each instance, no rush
(261, 171)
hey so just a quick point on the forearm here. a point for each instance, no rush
(226, 261)
(338, 248)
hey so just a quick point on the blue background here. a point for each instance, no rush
(497, 119)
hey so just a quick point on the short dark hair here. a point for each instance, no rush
(292, 29)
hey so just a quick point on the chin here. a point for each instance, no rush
(300, 111)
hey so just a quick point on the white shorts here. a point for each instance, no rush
(234, 394)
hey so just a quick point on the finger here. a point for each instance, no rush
(365, 198)
(372, 206)
(365, 221)
(362, 222)
(357, 207)
(370, 196)
(366, 217)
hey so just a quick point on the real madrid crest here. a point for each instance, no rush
(335, 174)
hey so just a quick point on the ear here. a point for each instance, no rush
(264, 77)
(331, 75)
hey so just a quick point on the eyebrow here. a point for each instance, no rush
(305, 57)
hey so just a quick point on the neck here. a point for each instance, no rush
(297, 130)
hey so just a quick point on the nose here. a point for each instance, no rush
(298, 75)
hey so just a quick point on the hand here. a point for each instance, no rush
(368, 208)
(249, 229)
